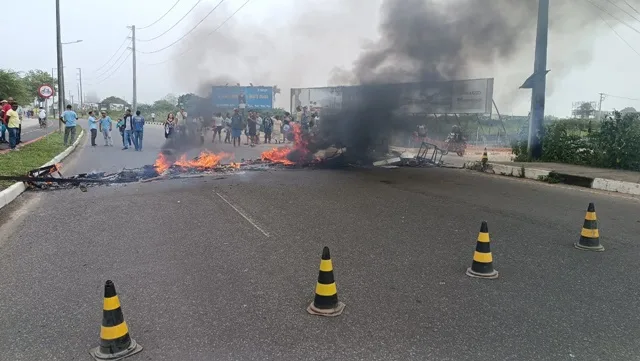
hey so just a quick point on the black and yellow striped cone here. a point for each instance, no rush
(590, 236)
(115, 342)
(485, 157)
(482, 266)
(325, 302)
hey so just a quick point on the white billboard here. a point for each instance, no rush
(322, 98)
(420, 98)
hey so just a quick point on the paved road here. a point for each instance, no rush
(198, 281)
(31, 130)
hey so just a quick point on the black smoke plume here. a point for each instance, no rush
(417, 40)
(428, 40)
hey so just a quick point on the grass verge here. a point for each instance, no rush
(31, 156)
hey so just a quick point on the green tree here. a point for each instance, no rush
(185, 99)
(172, 99)
(33, 79)
(11, 85)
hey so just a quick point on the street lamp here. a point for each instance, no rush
(72, 42)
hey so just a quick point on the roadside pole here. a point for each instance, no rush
(60, 66)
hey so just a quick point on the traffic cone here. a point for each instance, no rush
(325, 302)
(482, 266)
(115, 342)
(590, 236)
(485, 157)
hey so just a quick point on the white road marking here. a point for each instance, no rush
(243, 215)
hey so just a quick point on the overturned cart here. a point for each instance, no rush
(429, 155)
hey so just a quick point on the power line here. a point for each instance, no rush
(619, 36)
(214, 30)
(613, 16)
(174, 25)
(114, 54)
(112, 65)
(160, 18)
(619, 97)
(623, 10)
(188, 32)
(632, 8)
(113, 72)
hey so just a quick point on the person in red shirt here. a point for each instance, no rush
(5, 107)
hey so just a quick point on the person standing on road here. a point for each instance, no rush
(236, 127)
(70, 120)
(252, 129)
(169, 126)
(127, 130)
(181, 118)
(106, 125)
(267, 127)
(153, 117)
(93, 128)
(138, 129)
(13, 125)
(20, 115)
(227, 128)
(217, 127)
(5, 107)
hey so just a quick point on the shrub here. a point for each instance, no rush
(611, 143)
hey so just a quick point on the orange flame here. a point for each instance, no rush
(161, 164)
(235, 165)
(281, 155)
(277, 155)
(206, 160)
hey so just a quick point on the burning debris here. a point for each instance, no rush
(300, 154)
(205, 164)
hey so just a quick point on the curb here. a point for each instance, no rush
(604, 184)
(8, 195)
(616, 186)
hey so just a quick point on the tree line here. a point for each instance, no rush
(23, 86)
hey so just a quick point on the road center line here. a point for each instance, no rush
(243, 215)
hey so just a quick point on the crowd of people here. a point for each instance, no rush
(274, 128)
(11, 123)
(130, 127)
(252, 124)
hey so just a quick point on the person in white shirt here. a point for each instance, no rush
(217, 127)
(181, 118)
(42, 118)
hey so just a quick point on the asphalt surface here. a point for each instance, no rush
(224, 268)
(31, 130)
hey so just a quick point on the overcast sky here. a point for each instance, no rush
(269, 53)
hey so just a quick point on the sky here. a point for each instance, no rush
(288, 43)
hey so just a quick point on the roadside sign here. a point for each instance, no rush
(45, 91)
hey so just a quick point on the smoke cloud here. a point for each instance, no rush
(337, 43)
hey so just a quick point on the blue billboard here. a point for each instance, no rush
(252, 97)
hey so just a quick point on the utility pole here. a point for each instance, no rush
(60, 65)
(80, 93)
(134, 102)
(536, 125)
(600, 106)
(537, 82)
(71, 97)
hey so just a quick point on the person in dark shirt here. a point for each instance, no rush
(252, 129)
(236, 127)
(267, 127)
